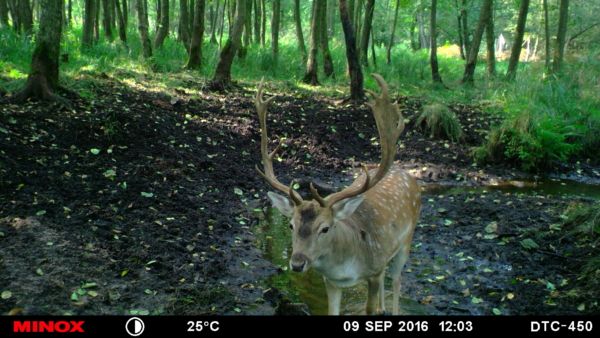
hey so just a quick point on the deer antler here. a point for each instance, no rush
(390, 125)
(267, 158)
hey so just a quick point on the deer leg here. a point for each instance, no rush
(396, 267)
(375, 289)
(334, 297)
(381, 293)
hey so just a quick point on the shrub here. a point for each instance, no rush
(440, 122)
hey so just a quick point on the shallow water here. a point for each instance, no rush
(274, 238)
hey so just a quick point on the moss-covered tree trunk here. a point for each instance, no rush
(163, 29)
(43, 76)
(222, 78)
(89, 16)
(184, 31)
(490, 40)
(263, 22)
(433, 60)
(106, 20)
(464, 18)
(546, 35)
(515, 51)
(275, 20)
(392, 34)
(121, 22)
(559, 50)
(356, 77)
(299, 34)
(257, 11)
(366, 32)
(484, 14)
(195, 59)
(142, 13)
(311, 75)
(324, 41)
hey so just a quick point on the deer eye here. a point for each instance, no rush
(324, 230)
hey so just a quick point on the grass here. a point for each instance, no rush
(558, 118)
(440, 122)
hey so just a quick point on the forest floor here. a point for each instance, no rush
(138, 201)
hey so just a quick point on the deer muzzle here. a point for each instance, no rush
(299, 262)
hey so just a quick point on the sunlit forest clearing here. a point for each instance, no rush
(129, 138)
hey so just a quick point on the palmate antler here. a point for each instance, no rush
(267, 158)
(390, 125)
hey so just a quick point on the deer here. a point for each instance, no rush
(354, 234)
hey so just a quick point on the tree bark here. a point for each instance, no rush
(142, 11)
(358, 9)
(163, 28)
(89, 16)
(213, 23)
(263, 24)
(560, 36)
(392, 34)
(247, 33)
(125, 13)
(324, 41)
(106, 20)
(184, 24)
(195, 60)
(3, 13)
(356, 77)
(465, 27)
(311, 75)
(43, 76)
(257, 14)
(490, 40)
(299, 34)
(515, 51)
(484, 14)
(222, 77)
(97, 21)
(276, 18)
(546, 35)
(14, 15)
(366, 32)
(435, 72)
(121, 21)
(26, 16)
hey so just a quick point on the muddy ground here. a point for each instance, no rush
(142, 202)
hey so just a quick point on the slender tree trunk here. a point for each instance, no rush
(26, 16)
(392, 34)
(3, 13)
(121, 21)
(13, 9)
(484, 14)
(276, 18)
(490, 40)
(465, 27)
(357, 22)
(97, 21)
(213, 24)
(142, 11)
(299, 34)
(356, 76)
(263, 24)
(515, 51)
(324, 41)
(546, 35)
(366, 32)
(222, 77)
(257, 11)
(222, 23)
(163, 27)
(247, 33)
(184, 24)
(435, 73)
(311, 75)
(191, 20)
(106, 20)
(559, 50)
(88, 24)
(158, 13)
(351, 5)
(43, 76)
(125, 13)
(195, 60)
(69, 13)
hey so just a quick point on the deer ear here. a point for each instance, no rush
(346, 208)
(281, 203)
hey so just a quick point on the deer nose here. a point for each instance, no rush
(298, 262)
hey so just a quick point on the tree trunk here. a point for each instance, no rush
(356, 76)
(359, 4)
(484, 14)
(515, 51)
(299, 34)
(163, 28)
(213, 23)
(184, 24)
(3, 13)
(195, 60)
(222, 77)
(247, 33)
(257, 11)
(311, 75)
(121, 21)
(366, 32)
(97, 21)
(324, 41)
(465, 27)
(69, 13)
(125, 14)
(275, 29)
(222, 23)
(392, 34)
(89, 16)
(423, 43)
(351, 5)
(490, 39)
(263, 24)
(461, 46)
(43, 76)
(435, 72)
(26, 17)
(106, 20)
(142, 11)
(559, 50)
(546, 35)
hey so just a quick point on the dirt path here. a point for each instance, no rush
(138, 202)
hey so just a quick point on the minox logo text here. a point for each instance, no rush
(59, 326)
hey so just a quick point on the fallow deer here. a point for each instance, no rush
(353, 234)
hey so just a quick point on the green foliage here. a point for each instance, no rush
(440, 122)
